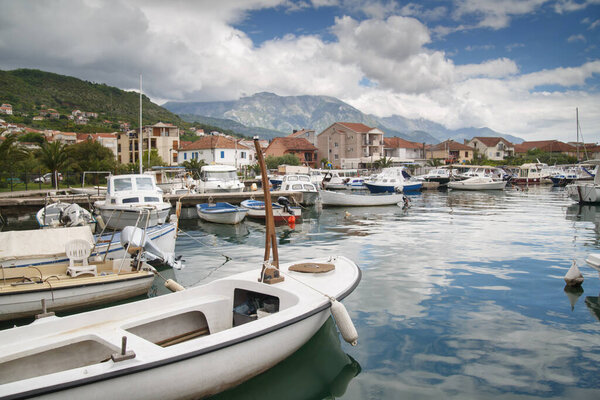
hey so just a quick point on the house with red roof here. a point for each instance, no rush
(493, 148)
(450, 151)
(350, 145)
(548, 146)
(298, 146)
(217, 150)
(6, 109)
(400, 150)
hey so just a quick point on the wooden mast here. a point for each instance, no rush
(270, 270)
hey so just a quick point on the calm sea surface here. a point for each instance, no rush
(462, 296)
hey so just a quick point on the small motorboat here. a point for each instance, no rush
(302, 184)
(221, 213)
(189, 344)
(282, 210)
(339, 199)
(132, 200)
(61, 214)
(478, 183)
(219, 179)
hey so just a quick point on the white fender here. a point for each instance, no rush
(344, 323)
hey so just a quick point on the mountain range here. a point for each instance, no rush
(271, 115)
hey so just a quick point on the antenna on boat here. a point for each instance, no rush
(141, 137)
(270, 270)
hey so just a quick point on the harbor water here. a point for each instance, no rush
(462, 296)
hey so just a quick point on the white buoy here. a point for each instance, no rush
(173, 286)
(343, 322)
(574, 277)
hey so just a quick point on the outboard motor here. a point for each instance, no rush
(285, 203)
(134, 240)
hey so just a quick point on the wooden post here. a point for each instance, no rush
(268, 275)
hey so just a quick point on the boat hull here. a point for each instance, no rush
(379, 188)
(232, 215)
(256, 210)
(462, 185)
(119, 217)
(584, 193)
(337, 199)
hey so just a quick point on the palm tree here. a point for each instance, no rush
(11, 152)
(54, 156)
(384, 162)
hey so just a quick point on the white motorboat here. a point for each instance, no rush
(301, 183)
(173, 180)
(188, 344)
(219, 178)
(221, 213)
(478, 183)
(61, 214)
(336, 179)
(339, 199)
(67, 286)
(132, 200)
(42, 246)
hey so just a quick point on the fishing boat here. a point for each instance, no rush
(477, 183)
(302, 184)
(393, 179)
(188, 344)
(221, 213)
(132, 200)
(282, 210)
(339, 199)
(67, 286)
(61, 214)
(219, 179)
(44, 246)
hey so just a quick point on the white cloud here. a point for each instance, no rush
(576, 38)
(495, 14)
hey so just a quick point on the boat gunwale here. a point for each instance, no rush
(181, 357)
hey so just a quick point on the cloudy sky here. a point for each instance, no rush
(519, 67)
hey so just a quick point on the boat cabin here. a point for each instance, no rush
(133, 189)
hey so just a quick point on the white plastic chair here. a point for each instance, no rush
(78, 250)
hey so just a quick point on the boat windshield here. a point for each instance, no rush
(220, 175)
(123, 184)
(144, 183)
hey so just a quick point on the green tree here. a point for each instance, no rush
(91, 156)
(194, 165)
(11, 152)
(54, 156)
(32, 137)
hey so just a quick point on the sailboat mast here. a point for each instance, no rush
(577, 119)
(141, 137)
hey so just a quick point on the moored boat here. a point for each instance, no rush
(61, 214)
(221, 213)
(339, 199)
(132, 200)
(302, 184)
(477, 183)
(219, 179)
(281, 212)
(393, 179)
(585, 192)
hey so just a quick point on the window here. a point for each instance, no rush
(152, 143)
(336, 157)
(123, 184)
(466, 154)
(222, 153)
(185, 156)
(144, 183)
(242, 154)
(335, 144)
(119, 148)
(497, 154)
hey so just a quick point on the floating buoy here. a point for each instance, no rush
(343, 322)
(574, 277)
(173, 286)
(254, 187)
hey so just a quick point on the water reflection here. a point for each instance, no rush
(573, 294)
(593, 304)
(318, 370)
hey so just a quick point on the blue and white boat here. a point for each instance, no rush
(356, 184)
(394, 179)
(282, 210)
(221, 213)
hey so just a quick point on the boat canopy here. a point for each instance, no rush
(16, 245)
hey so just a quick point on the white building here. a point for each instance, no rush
(218, 150)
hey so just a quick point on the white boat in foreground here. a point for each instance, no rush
(477, 183)
(187, 344)
(339, 199)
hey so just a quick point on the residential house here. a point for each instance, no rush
(548, 146)
(307, 134)
(165, 139)
(298, 146)
(450, 151)
(492, 148)
(350, 145)
(6, 109)
(64, 137)
(108, 140)
(400, 150)
(217, 150)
